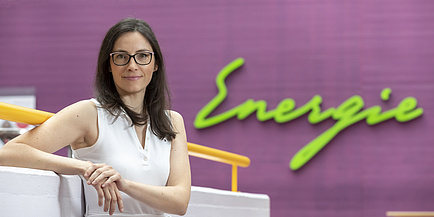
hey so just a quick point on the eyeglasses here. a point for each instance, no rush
(122, 58)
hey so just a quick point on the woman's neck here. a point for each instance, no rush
(134, 102)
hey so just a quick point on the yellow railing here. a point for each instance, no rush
(220, 156)
(410, 213)
(34, 117)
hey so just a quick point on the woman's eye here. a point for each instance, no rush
(121, 56)
(143, 55)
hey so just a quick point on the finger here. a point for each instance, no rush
(96, 173)
(108, 199)
(91, 179)
(100, 195)
(92, 168)
(103, 177)
(86, 173)
(112, 178)
(89, 171)
(113, 201)
(120, 202)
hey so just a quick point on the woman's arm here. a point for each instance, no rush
(76, 125)
(172, 198)
(71, 126)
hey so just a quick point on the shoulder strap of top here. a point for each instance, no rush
(96, 102)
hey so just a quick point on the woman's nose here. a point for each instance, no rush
(132, 65)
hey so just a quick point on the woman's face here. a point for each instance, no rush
(132, 78)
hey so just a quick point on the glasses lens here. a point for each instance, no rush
(143, 58)
(120, 58)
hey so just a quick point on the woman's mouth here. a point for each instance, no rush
(132, 78)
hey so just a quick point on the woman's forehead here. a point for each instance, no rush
(132, 42)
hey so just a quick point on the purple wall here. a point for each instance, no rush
(293, 49)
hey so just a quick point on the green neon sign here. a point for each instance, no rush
(346, 114)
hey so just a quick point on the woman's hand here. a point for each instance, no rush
(109, 196)
(106, 181)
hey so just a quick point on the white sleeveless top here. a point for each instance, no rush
(118, 146)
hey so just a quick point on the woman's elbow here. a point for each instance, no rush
(182, 205)
(182, 209)
(12, 154)
(4, 156)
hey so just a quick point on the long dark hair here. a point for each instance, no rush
(157, 96)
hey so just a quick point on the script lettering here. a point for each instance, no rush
(348, 113)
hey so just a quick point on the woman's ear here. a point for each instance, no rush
(155, 67)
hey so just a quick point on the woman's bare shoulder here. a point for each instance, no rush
(81, 109)
(175, 116)
(177, 121)
(83, 117)
(80, 116)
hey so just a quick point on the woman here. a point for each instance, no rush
(127, 147)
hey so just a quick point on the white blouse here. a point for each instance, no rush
(118, 146)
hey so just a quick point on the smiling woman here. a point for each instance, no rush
(128, 147)
(132, 77)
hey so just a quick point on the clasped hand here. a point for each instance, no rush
(108, 184)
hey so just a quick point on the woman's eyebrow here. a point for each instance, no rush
(122, 51)
(141, 50)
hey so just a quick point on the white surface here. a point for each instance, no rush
(217, 203)
(28, 101)
(28, 192)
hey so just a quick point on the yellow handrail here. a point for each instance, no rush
(22, 114)
(34, 117)
(410, 213)
(220, 156)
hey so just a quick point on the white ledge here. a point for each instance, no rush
(29, 192)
